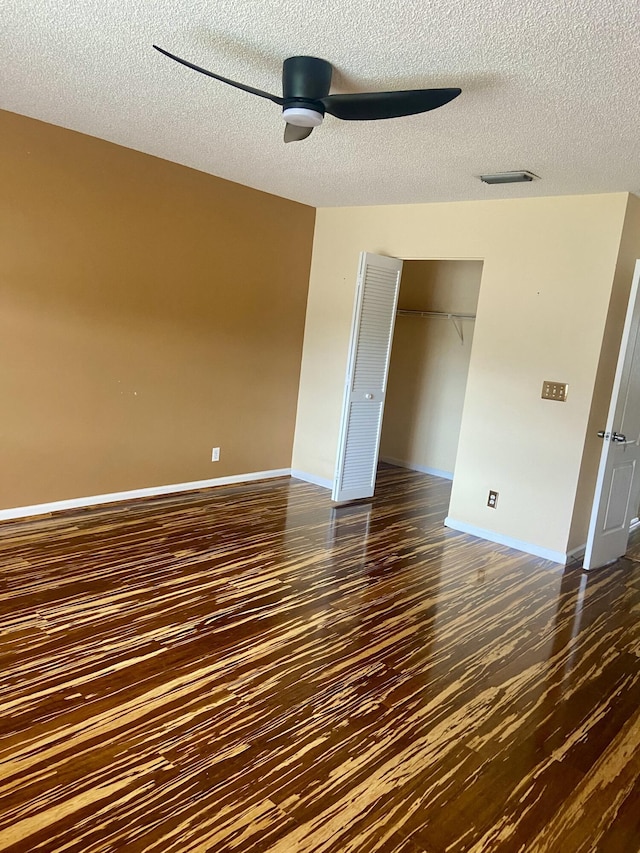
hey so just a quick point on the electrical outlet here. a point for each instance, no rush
(493, 499)
(215, 454)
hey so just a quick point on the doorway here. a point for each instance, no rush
(617, 491)
(429, 364)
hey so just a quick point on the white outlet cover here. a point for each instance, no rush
(215, 454)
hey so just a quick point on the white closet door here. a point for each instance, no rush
(366, 381)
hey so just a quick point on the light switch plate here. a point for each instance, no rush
(554, 390)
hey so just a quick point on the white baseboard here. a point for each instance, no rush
(132, 494)
(546, 553)
(412, 466)
(311, 478)
(576, 554)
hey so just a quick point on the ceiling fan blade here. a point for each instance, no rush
(293, 133)
(244, 88)
(369, 106)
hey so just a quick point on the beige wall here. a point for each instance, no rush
(549, 265)
(429, 365)
(147, 313)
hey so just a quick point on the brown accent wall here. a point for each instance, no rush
(148, 312)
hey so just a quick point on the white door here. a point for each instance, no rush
(618, 484)
(366, 382)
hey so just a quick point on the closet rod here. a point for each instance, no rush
(447, 315)
(407, 312)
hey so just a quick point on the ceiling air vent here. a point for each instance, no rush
(509, 178)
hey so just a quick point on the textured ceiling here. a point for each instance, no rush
(552, 86)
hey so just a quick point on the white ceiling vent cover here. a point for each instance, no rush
(509, 178)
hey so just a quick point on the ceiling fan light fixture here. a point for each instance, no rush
(302, 116)
(521, 177)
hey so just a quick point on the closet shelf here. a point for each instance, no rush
(445, 315)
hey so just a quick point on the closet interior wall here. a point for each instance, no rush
(429, 366)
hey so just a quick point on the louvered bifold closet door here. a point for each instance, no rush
(366, 382)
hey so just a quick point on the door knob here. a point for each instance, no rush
(368, 396)
(618, 437)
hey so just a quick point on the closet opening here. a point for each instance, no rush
(429, 364)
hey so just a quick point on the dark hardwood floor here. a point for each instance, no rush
(247, 669)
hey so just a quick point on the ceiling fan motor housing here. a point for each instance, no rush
(305, 80)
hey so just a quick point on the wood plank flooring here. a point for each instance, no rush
(248, 669)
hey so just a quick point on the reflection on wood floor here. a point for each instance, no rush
(247, 669)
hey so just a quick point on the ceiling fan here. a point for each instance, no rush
(305, 99)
